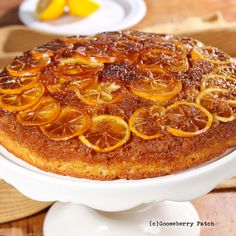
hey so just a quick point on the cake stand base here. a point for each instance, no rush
(157, 218)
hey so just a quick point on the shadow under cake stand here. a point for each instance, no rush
(111, 208)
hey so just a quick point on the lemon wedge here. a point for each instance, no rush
(82, 7)
(50, 9)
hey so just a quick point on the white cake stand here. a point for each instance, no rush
(127, 208)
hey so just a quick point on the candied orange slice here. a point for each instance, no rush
(23, 100)
(27, 65)
(147, 122)
(70, 123)
(45, 111)
(13, 85)
(187, 119)
(106, 133)
(103, 92)
(210, 54)
(174, 61)
(157, 85)
(218, 81)
(218, 101)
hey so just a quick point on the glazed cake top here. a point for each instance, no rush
(107, 90)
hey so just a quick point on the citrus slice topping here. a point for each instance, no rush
(210, 54)
(70, 123)
(218, 81)
(82, 7)
(48, 49)
(125, 49)
(187, 43)
(78, 69)
(27, 65)
(217, 101)
(95, 53)
(23, 100)
(58, 85)
(42, 113)
(174, 61)
(89, 61)
(101, 93)
(106, 133)
(41, 52)
(71, 40)
(13, 85)
(83, 83)
(157, 85)
(147, 122)
(50, 9)
(187, 119)
(225, 70)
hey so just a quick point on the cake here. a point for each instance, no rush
(119, 105)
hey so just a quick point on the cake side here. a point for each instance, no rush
(138, 163)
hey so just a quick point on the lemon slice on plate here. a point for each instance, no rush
(82, 7)
(50, 9)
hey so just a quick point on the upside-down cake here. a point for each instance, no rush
(119, 105)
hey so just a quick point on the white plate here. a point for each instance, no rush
(113, 15)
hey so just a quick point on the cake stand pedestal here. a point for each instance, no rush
(149, 219)
(127, 208)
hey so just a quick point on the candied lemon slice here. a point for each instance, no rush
(210, 54)
(125, 49)
(23, 100)
(218, 101)
(58, 85)
(187, 119)
(147, 122)
(13, 85)
(225, 70)
(218, 81)
(50, 9)
(51, 48)
(90, 61)
(27, 65)
(76, 66)
(83, 83)
(45, 111)
(95, 53)
(70, 123)
(157, 85)
(173, 61)
(100, 93)
(106, 133)
(82, 7)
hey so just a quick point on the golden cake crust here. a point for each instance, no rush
(138, 158)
